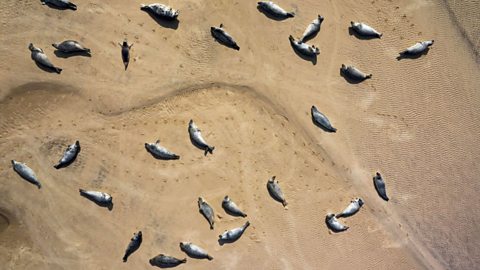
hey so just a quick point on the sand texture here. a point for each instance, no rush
(416, 121)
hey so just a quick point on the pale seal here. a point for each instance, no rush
(380, 186)
(101, 198)
(304, 48)
(275, 10)
(365, 30)
(233, 234)
(41, 58)
(207, 211)
(223, 37)
(321, 120)
(354, 73)
(26, 173)
(71, 46)
(275, 191)
(125, 52)
(333, 223)
(231, 207)
(164, 261)
(60, 4)
(197, 139)
(312, 29)
(134, 244)
(351, 209)
(160, 152)
(69, 155)
(417, 49)
(160, 11)
(194, 251)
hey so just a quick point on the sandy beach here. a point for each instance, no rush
(416, 121)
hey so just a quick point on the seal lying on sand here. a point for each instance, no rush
(231, 207)
(165, 261)
(70, 46)
(365, 30)
(418, 48)
(354, 73)
(60, 4)
(125, 52)
(194, 251)
(275, 191)
(321, 120)
(134, 244)
(26, 173)
(160, 152)
(275, 10)
(160, 11)
(197, 139)
(98, 197)
(352, 208)
(41, 58)
(333, 224)
(380, 186)
(234, 234)
(69, 155)
(207, 211)
(304, 48)
(223, 37)
(312, 29)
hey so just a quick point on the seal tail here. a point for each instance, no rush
(236, 47)
(125, 258)
(209, 150)
(368, 76)
(57, 166)
(87, 50)
(72, 6)
(290, 14)
(39, 185)
(184, 260)
(209, 257)
(379, 35)
(284, 203)
(339, 215)
(175, 157)
(333, 130)
(58, 70)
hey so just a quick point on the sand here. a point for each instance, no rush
(415, 121)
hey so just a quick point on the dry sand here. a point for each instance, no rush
(416, 121)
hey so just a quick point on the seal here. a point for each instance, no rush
(160, 11)
(41, 58)
(275, 191)
(304, 48)
(66, 4)
(312, 29)
(100, 198)
(233, 234)
(194, 251)
(164, 261)
(333, 224)
(351, 209)
(125, 52)
(417, 49)
(26, 173)
(275, 10)
(71, 46)
(197, 139)
(354, 73)
(365, 30)
(231, 207)
(207, 211)
(134, 244)
(321, 120)
(223, 37)
(69, 155)
(160, 152)
(379, 184)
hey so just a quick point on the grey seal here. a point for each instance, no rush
(379, 184)
(160, 152)
(194, 251)
(275, 191)
(274, 10)
(165, 261)
(60, 4)
(71, 46)
(352, 208)
(333, 223)
(223, 37)
(207, 211)
(365, 30)
(304, 48)
(321, 120)
(125, 52)
(101, 198)
(417, 49)
(134, 244)
(41, 58)
(69, 155)
(26, 173)
(233, 234)
(160, 11)
(231, 207)
(354, 73)
(312, 29)
(197, 139)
